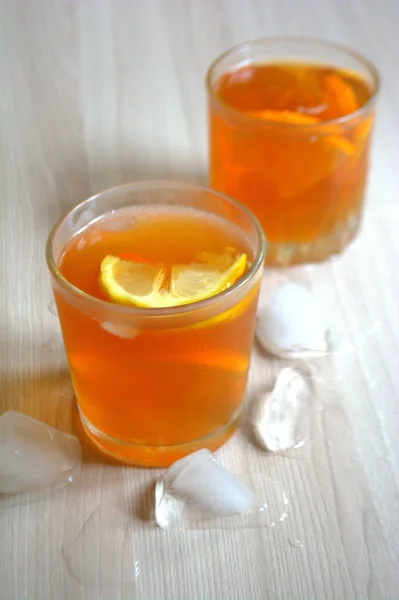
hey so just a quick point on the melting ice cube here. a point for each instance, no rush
(292, 325)
(32, 454)
(276, 414)
(199, 481)
(122, 331)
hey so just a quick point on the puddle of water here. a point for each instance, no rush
(272, 508)
(53, 345)
(103, 555)
(10, 500)
(111, 553)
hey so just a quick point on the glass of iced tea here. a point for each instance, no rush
(156, 286)
(290, 123)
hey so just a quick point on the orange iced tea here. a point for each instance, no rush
(291, 141)
(154, 384)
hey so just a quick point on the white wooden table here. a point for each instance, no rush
(99, 92)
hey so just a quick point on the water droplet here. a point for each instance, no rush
(136, 569)
(374, 383)
(283, 517)
(52, 308)
(53, 345)
(300, 444)
(296, 543)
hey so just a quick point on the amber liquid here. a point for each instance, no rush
(304, 178)
(147, 392)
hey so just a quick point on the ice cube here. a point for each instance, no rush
(276, 414)
(292, 325)
(199, 480)
(122, 331)
(32, 454)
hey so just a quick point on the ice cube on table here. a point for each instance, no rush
(200, 481)
(292, 324)
(32, 454)
(276, 413)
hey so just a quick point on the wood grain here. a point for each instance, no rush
(100, 92)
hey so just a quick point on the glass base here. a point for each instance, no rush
(156, 456)
(328, 246)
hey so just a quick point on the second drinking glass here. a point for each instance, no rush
(290, 128)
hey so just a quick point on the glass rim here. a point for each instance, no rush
(304, 40)
(163, 311)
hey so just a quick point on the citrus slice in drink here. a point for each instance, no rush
(294, 118)
(341, 95)
(288, 158)
(284, 116)
(222, 261)
(136, 284)
(130, 282)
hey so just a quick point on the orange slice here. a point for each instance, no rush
(343, 94)
(284, 116)
(341, 144)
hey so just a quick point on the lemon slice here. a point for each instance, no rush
(221, 261)
(191, 283)
(128, 282)
(146, 286)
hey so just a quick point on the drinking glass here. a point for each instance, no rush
(154, 384)
(303, 177)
